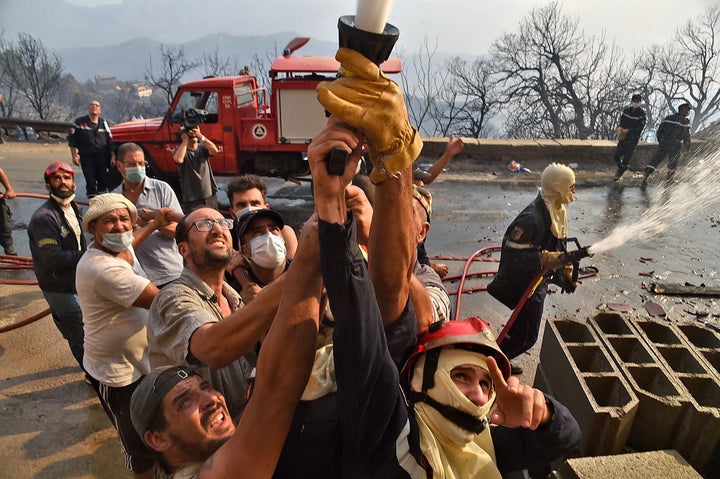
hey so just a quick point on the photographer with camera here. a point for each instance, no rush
(196, 177)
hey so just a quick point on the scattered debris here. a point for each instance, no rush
(619, 307)
(648, 274)
(686, 289)
(645, 259)
(517, 167)
(654, 309)
(710, 325)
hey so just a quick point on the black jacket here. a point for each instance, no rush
(54, 247)
(91, 139)
(633, 119)
(673, 130)
(525, 238)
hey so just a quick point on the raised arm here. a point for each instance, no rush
(283, 369)
(217, 344)
(179, 153)
(454, 147)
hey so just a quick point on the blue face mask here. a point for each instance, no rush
(118, 242)
(135, 174)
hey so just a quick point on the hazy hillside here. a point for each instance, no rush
(128, 60)
(62, 25)
(123, 47)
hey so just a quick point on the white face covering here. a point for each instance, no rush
(452, 451)
(556, 181)
(268, 251)
(635, 104)
(118, 242)
(63, 201)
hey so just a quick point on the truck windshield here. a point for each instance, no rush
(201, 100)
(243, 94)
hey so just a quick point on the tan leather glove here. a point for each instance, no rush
(369, 101)
(552, 259)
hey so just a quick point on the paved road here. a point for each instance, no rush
(52, 427)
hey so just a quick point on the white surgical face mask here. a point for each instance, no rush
(118, 242)
(636, 104)
(135, 174)
(268, 251)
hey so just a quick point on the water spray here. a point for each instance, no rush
(694, 193)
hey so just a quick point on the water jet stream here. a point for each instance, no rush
(694, 191)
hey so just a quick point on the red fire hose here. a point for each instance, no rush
(12, 262)
(487, 250)
(26, 321)
(590, 271)
(39, 196)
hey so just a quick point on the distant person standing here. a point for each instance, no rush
(6, 222)
(92, 147)
(671, 134)
(632, 124)
(196, 177)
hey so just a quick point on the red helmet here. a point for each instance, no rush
(470, 333)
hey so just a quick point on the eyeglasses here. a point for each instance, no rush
(94, 105)
(207, 225)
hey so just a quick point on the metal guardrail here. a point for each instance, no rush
(37, 125)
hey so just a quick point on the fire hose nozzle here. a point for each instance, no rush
(577, 255)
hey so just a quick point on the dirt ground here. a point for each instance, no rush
(51, 425)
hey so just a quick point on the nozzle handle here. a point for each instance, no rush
(577, 255)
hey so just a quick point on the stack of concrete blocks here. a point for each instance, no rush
(577, 370)
(661, 398)
(662, 385)
(689, 352)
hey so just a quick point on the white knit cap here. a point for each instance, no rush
(104, 204)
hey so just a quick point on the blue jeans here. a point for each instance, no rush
(66, 313)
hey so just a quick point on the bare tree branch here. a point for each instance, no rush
(173, 68)
(34, 72)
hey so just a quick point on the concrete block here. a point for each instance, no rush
(659, 407)
(705, 342)
(582, 376)
(660, 399)
(630, 350)
(643, 465)
(681, 350)
(698, 434)
(612, 324)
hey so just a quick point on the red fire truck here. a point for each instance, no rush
(253, 135)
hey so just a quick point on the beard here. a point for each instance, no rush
(198, 451)
(62, 193)
(209, 260)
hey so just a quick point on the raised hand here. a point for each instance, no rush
(516, 404)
